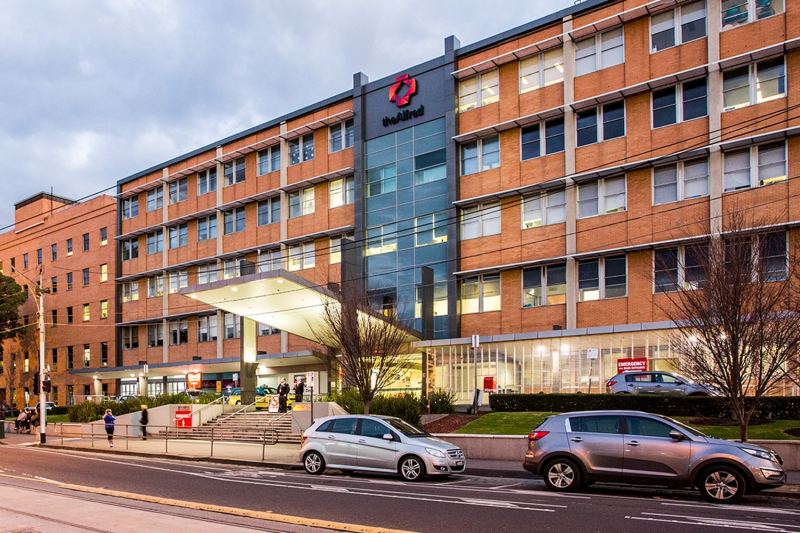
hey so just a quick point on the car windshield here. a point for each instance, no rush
(687, 429)
(409, 430)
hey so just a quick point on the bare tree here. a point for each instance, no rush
(375, 349)
(735, 299)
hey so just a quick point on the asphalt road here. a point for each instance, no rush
(458, 504)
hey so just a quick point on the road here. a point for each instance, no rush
(458, 504)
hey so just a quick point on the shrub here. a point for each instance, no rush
(405, 406)
(348, 399)
(90, 411)
(440, 401)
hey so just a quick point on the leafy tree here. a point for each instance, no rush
(11, 299)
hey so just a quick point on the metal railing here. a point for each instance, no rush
(239, 411)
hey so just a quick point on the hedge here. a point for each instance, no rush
(90, 411)
(773, 408)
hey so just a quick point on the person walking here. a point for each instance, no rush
(143, 421)
(283, 392)
(299, 388)
(109, 420)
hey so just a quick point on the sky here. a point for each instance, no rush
(94, 91)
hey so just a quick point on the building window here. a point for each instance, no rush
(69, 315)
(234, 220)
(130, 249)
(269, 211)
(25, 261)
(553, 133)
(85, 277)
(612, 118)
(599, 279)
(155, 199)
(269, 260)
(265, 330)
(341, 192)
(665, 32)
(545, 285)
(87, 356)
(155, 286)
(755, 166)
(54, 366)
(103, 236)
(382, 239)
(155, 242)
(103, 354)
(542, 209)
(69, 247)
(103, 273)
(772, 256)
(233, 171)
(130, 291)
(207, 328)
(54, 285)
(103, 308)
(39, 256)
(230, 268)
(130, 337)
(178, 280)
(480, 294)
(207, 181)
(207, 273)
(86, 313)
(738, 12)
(53, 252)
(302, 256)
(130, 208)
(155, 335)
(269, 160)
(611, 46)
(335, 253)
(601, 197)
(431, 229)
(178, 190)
(178, 236)
(754, 84)
(54, 318)
(301, 202)
(301, 149)
(207, 228)
(541, 70)
(178, 331)
(480, 155)
(341, 136)
(382, 180)
(480, 220)
(489, 85)
(70, 358)
(681, 181)
(681, 266)
(680, 103)
(232, 326)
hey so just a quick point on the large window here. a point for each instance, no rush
(335, 252)
(341, 136)
(207, 181)
(155, 199)
(207, 228)
(544, 208)
(269, 211)
(681, 266)
(546, 285)
(233, 171)
(480, 155)
(103, 308)
(382, 180)
(87, 315)
(207, 273)
(602, 278)
(680, 181)
(754, 84)
(301, 202)
(738, 12)
(541, 70)
(269, 159)
(155, 335)
(755, 166)
(234, 220)
(431, 229)
(85, 242)
(341, 192)
(480, 220)
(231, 268)
(178, 280)
(178, 331)
(599, 51)
(610, 116)
(480, 90)
(155, 286)
(53, 252)
(178, 190)
(87, 356)
(680, 103)
(269, 260)
(130, 291)
(382, 239)
(155, 242)
(130, 207)
(302, 256)
(232, 326)
(601, 197)
(69, 281)
(130, 337)
(130, 248)
(552, 131)
(207, 328)
(69, 246)
(301, 149)
(480, 294)
(85, 277)
(677, 26)
(178, 236)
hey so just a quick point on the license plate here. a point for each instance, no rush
(459, 463)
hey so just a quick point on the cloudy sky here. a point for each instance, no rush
(93, 91)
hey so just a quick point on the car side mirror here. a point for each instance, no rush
(676, 435)
(388, 437)
(679, 382)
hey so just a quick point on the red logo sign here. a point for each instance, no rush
(394, 91)
(183, 419)
(632, 365)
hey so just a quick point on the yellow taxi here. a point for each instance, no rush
(263, 397)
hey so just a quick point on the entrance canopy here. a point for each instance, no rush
(277, 298)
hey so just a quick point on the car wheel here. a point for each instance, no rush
(562, 475)
(239, 403)
(722, 484)
(412, 468)
(314, 463)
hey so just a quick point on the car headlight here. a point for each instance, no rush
(761, 454)
(436, 453)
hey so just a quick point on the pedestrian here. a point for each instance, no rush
(109, 420)
(298, 391)
(19, 423)
(283, 392)
(143, 421)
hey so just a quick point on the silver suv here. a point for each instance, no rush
(377, 444)
(657, 383)
(571, 450)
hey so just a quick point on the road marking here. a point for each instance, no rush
(723, 522)
(777, 510)
(504, 486)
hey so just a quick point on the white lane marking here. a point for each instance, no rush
(707, 524)
(726, 522)
(777, 510)
(504, 486)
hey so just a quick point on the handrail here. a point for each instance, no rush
(237, 412)
(203, 409)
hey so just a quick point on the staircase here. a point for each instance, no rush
(243, 427)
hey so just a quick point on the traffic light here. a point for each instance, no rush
(36, 383)
(47, 385)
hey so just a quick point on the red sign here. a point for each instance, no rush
(632, 365)
(183, 419)
(411, 88)
(194, 381)
(490, 384)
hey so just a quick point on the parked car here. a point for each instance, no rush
(263, 396)
(571, 450)
(125, 398)
(377, 444)
(657, 383)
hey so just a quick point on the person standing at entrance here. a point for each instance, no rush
(283, 392)
(143, 421)
(109, 420)
(299, 387)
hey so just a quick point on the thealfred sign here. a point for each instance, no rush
(402, 116)
(400, 94)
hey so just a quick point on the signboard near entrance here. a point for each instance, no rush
(194, 381)
(274, 403)
(183, 416)
(490, 384)
(632, 365)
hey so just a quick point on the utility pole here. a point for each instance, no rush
(40, 292)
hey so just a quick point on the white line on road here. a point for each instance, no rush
(726, 522)
(739, 509)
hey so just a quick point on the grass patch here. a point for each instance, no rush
(52, 419)
(771, 431)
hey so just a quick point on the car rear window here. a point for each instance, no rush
(346, 426)
(638, 378)
(595, 424)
